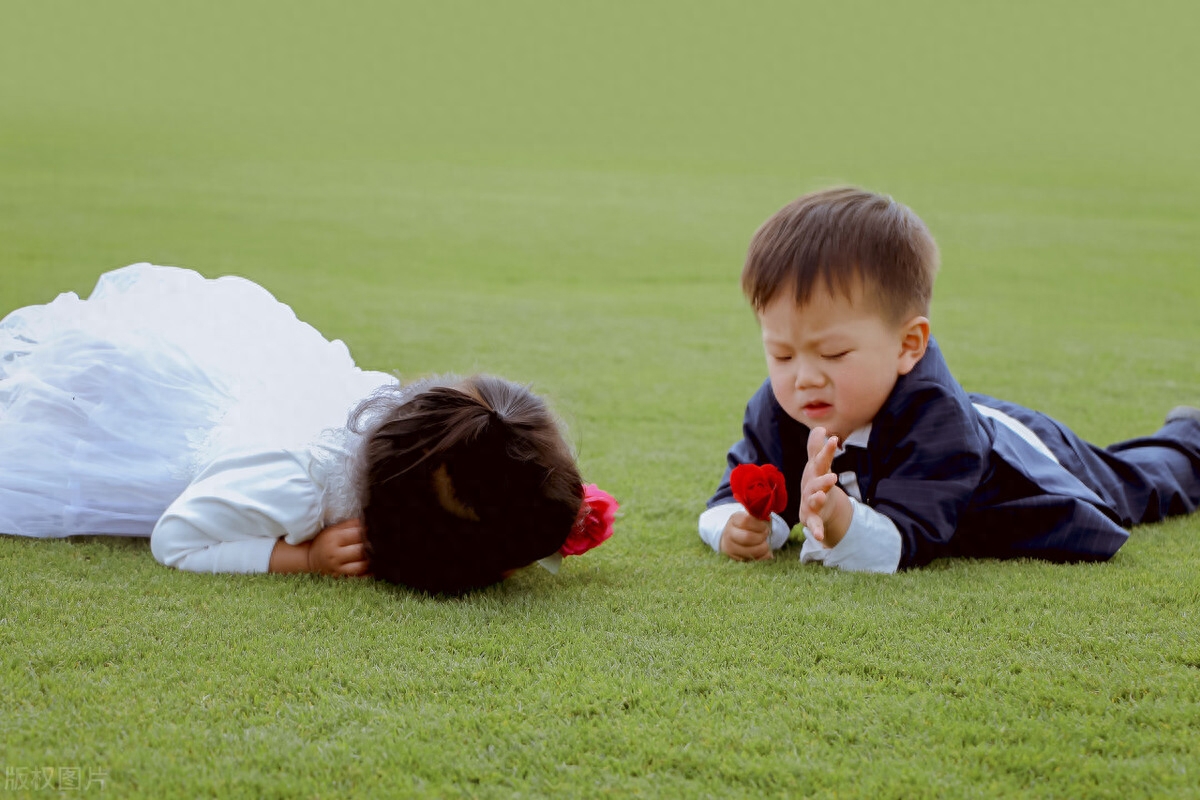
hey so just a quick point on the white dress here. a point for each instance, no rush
(200, 410)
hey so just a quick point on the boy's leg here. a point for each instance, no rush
(1184, 412)
(1143, 480)
(1159, 474)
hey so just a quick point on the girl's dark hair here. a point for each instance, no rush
(465, 480)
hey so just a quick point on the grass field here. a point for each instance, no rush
(562, 194)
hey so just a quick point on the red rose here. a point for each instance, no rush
(595, 524)
(762, 490)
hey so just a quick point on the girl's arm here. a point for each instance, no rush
(337, 550)
(290, 557)
(233, 514)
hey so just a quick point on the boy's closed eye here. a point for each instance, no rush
(836, 356)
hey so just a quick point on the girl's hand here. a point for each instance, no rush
(338, 550)
(824, 508)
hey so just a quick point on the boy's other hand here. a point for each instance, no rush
(746, 538)
(816, 485)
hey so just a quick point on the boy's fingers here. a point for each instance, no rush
(747, 538)
(733, 549)
(746, 521)
(743, 553)
(825, 458)
(816, 440)
(823, 483)
(816, 526)
(821, 449)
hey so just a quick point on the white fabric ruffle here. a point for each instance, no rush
(110, 406)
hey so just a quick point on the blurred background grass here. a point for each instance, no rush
(385, 168)
(562, 194)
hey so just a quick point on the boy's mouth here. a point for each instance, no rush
(817, 410)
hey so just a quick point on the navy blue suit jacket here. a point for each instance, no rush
(954, 482)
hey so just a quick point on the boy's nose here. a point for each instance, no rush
(808, 376)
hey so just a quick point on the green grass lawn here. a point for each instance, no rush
(562, 194)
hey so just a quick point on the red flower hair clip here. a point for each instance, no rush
(595, 522)
(762, 490)
(593, 526)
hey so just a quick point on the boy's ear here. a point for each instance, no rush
(914, 338)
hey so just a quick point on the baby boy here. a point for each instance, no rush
(888, 462)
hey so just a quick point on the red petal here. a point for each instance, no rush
(778, 486)
(758, 488)
(741, 478)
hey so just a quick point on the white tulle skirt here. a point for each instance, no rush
(110, 405)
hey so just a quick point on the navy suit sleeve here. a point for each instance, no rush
(759, 440)
(955, 484)
(932, 456)
(769, 436)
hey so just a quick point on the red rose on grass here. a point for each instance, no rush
(595, 524)
(762, 490)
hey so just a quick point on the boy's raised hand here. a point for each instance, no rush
(746, 538)
(819, 504)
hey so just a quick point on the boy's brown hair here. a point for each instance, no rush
(839, 239)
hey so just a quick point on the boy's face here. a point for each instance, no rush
(834, 361)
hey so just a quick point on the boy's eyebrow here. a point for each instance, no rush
(819, 339)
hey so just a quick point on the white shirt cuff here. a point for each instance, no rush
(177, 544)
(871, 544)
(713, 520)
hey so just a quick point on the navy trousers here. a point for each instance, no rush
(1143, 480)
